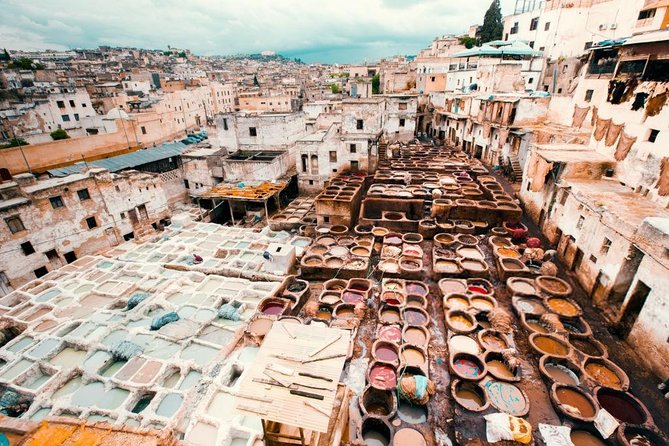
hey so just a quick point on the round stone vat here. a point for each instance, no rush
(467, 366)
(470, 395)
(499, 368)
(624, 406)
(376, 431)
(378, 403)
(606, 374)
(574, 402)
(560, 370)
(546, 344)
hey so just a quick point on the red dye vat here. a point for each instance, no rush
(272, 309)
(390, 333)
(467, 368)
(477, 289)
(385, 353)
(416, 288)
(383, 377)
(351, 298)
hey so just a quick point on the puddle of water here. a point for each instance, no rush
(169, 405)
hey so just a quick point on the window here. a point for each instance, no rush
(143, 130)
(532, 44)
(65, 118)
(253, 131)
(403, 105)
(402, 122)
(15, 224)
(83, 194)
(652, 136)
(83, 105)
(647, 14)
(142, 211)
(433, 78)
(41, 272)
(563, 198)
(70, 257)
(353, 148)
(593, 259)
(57, 202)
(71, 103)
(514, 29)
(588, 95)
(186, 184)
(60, 104)
(326, 219)
(587, 45)
(530, 80)
(122, 215)
(76, 116)
(311, 182)
(581, 220)
(547, 26)
(354, 166)
(90, 221)
(359, 124)
(534, 23)
(333, 156)
(225, 123)
(27, 248)
(606, 245)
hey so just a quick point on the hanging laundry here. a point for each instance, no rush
(612, 133)
(654, 105)
(579, 116)
(503, 136)
(595, 114)
(624, 146)
(639, 101)
(616, 91)
(601, 128)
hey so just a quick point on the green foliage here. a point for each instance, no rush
(167, 53)
(14, 142)
(335, 88)
(25, 63)
(492, 28)
(376, 84)
(468, 42)
(59, 134)
(182, 54)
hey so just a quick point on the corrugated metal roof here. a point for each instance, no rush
(126, 161)
(515, 48)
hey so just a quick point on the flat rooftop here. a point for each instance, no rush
(571, 153)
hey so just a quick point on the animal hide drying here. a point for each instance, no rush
(601, 128)
(624, 146)
(579, 116)
(663, 182)
(612, 133)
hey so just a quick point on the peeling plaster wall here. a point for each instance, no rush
(273, 131)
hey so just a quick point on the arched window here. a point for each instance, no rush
(314, 164)
(305, 161)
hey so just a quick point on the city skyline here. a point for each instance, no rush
(327, 33)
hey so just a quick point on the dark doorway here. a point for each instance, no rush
(625, 277)
(479, 152)
(70, 257)
(5, 175)
(132, 214)
(633, 308)
(54, 259)
(578, 258)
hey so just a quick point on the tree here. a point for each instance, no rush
(255, 81)
(376, 84)
(468, 42)
(335, 88)
(25, 63)
(59, 134)
(492, 27)
(14, 142)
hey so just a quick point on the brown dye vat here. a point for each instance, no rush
(45, 325)
(389, 316)
(360, 251)
(416, 301)
(448, 286)
(585, 438)
(335, 284)
(469, 395)
(574, 403)
(606, 374)
(333, 262)
(553, 285)
(345, 241)
(326, 240)
(393, 285)
(330, 297)
(313, 260)
(444, 239)
(536, 326)
(260, 326)
(562, 307)
(512, 264)
(412, 237)
(415, 335)
(376, 432)
(460, 321)
(499, 369)
(629, 435)
(588, 347)
(467, 240)
(448, 266)
(492, 340)
(508, 252)
(344, 311)
(415, 316)
(409, 437)
(324, 313)
(576, 326)
(411, 263)
(521, 286)
(549, 345)
(498, 241)
(338, 229)
(623, 406)
(482, 303)
(379, 231)
(378, 403)
(561, 373)
(413, 356)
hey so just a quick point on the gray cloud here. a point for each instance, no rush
(339, 31)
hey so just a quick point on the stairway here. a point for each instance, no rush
(383, 152)
(515, 166)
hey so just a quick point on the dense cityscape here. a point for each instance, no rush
(468, 245)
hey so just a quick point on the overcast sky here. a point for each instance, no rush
(335, 31)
